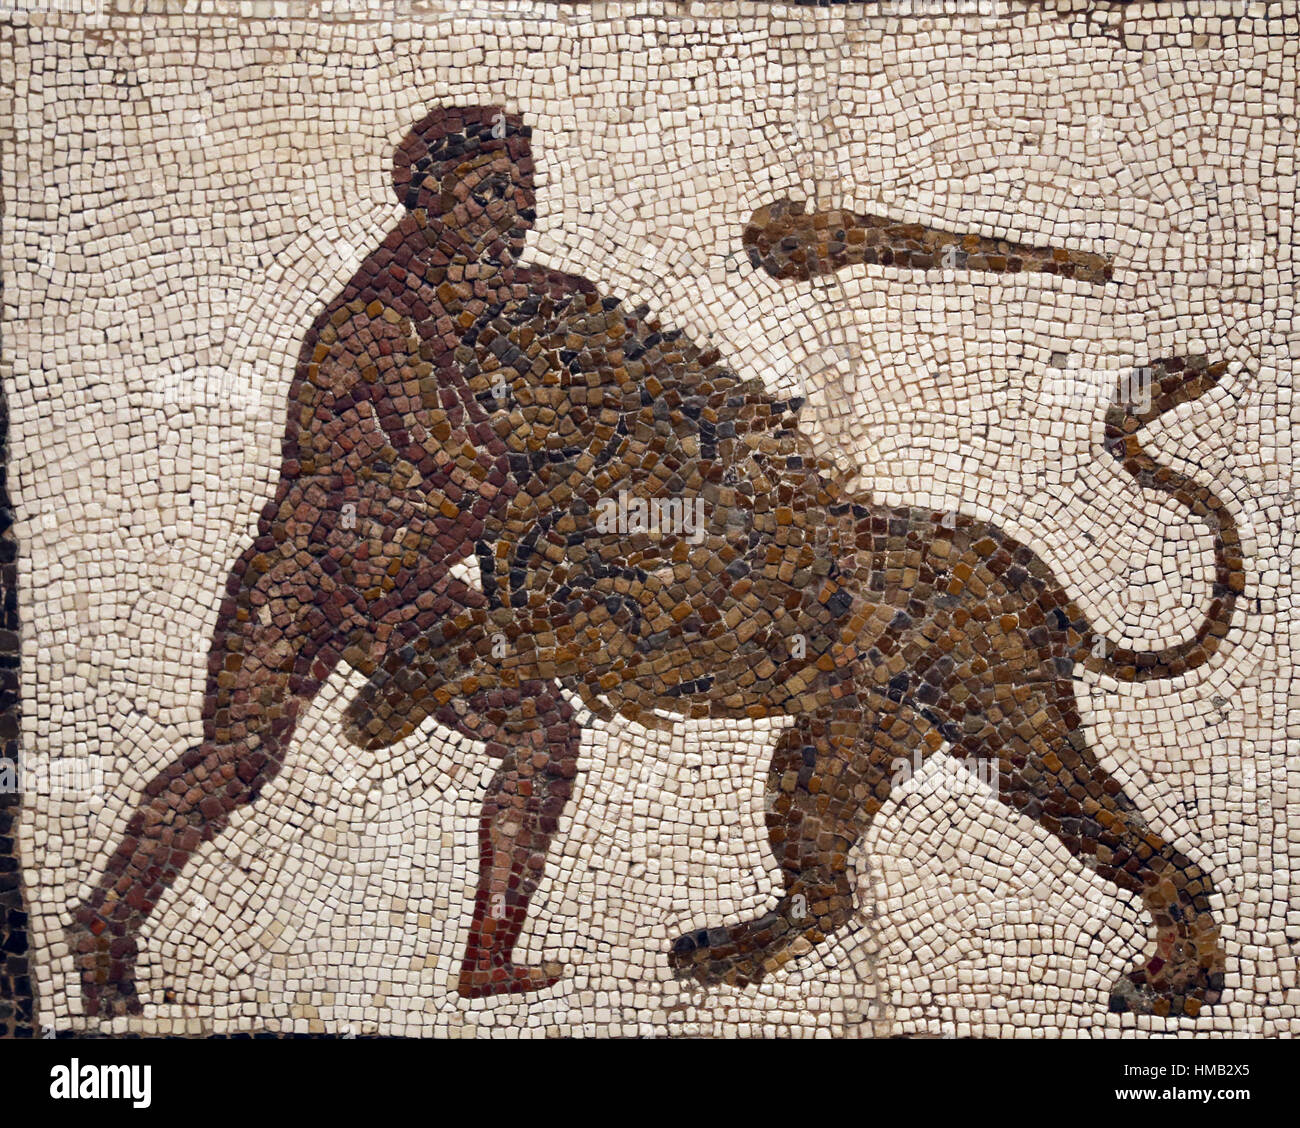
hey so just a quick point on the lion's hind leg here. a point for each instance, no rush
(1048, 771)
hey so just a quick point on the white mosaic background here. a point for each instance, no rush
(183, 192)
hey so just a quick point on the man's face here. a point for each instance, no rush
(483, 203)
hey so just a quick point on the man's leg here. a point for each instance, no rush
(279, 635)
(533, 730)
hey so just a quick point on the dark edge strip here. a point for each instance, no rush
(17, 999)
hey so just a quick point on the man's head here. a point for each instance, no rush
(466, 173)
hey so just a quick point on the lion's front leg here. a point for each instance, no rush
(830, 774)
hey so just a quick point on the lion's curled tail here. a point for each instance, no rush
(1172, 382)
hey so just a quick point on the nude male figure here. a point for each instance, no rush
(401, 444)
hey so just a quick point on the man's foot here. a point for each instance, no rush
(111, 1000)
(107, 966)
(477, 981)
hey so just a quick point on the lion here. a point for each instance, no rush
(885, 634)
